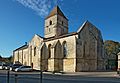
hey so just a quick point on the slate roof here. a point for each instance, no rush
(21, 48)
(62, 36)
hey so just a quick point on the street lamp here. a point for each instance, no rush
(41, 65)
(8, 76)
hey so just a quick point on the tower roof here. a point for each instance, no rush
(56, 11)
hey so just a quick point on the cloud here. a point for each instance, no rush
(42, 7)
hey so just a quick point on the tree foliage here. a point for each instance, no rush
(7, 59)
(0, 57)
(112, 47)
(10, 58)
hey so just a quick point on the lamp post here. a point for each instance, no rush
(41, 65)
(8, 76)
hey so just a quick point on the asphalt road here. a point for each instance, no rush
(34, 77)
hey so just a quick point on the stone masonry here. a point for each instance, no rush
(60, 50)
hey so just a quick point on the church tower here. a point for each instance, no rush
(56, 24)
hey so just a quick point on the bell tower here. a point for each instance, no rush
(56, 24)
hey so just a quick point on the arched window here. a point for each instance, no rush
(49, 51)
(49, 29)
(64, 49)
(62, 22)
(34, 51)
(50, 22)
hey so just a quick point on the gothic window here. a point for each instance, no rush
(84, 48)
(79, 36)
(49, 29)
(62, 31)
(50, 22)
(49, 50)
(34, 51)
(62, 22)
(64, 49)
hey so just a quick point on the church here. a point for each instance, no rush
(60, 50)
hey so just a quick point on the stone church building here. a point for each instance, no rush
(60, 50)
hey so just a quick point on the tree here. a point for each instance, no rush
(7, 59)
(0, 57)
(10, 58)
(112, 47)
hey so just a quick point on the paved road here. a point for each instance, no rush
(34, 77)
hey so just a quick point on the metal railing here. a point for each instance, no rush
(16, 78)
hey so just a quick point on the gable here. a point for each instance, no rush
(36, 40)
(89, 29)
(81, 27)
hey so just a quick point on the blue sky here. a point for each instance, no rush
(20, 20)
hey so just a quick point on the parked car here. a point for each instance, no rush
(2, 65)
(7, 66)
(13, 67)
(24, 68)
(118, 71)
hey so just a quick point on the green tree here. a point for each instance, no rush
(112, 47)
(10, 58)
(0, 57)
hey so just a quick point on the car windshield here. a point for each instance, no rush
(1, 63)
(25, 67)
(28, 66)
(5, 64)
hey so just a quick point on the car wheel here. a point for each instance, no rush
(31, 70)
(19, 70)
(10, 69)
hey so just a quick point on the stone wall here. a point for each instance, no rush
(58, 27)
(119, 60)
(89, 48)
(50, 30)
(58, 62)
(63, 51)
(16, 57)
(25, 57)
(34, 57)
(84, 52)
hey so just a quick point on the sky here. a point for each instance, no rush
(21, 19)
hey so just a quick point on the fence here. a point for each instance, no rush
(21, 78)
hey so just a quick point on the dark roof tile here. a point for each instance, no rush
(21, 48)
